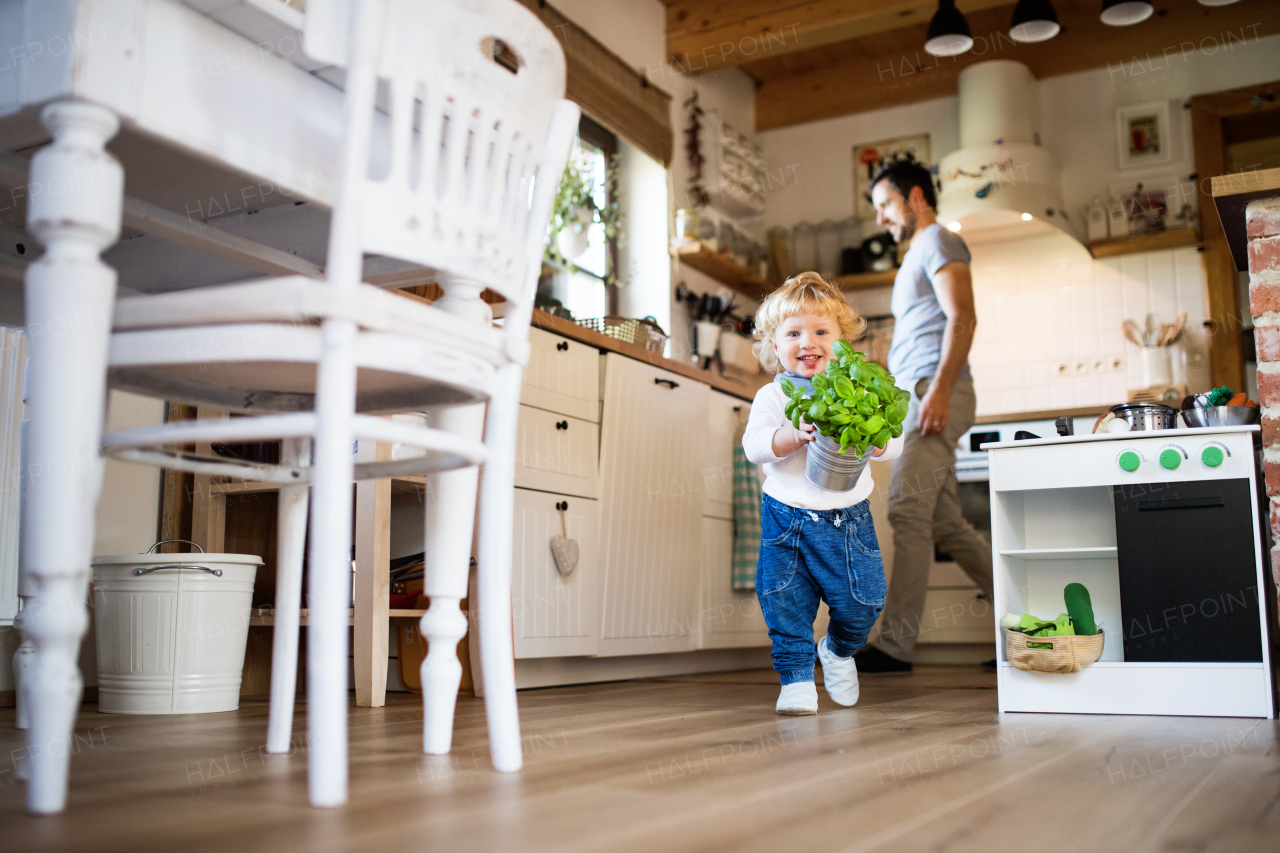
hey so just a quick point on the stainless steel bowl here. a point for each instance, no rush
(1220, 416)
(1146, 416)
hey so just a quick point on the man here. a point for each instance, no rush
(934, 322)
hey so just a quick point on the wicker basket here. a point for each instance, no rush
(629, 330)
(1069, 654)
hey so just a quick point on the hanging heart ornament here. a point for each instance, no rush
(564, 549)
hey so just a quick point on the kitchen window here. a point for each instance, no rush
(586, 291)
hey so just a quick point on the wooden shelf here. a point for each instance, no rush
(1105, 552)
(265, 618)
(724, 270)
(1230, 195)
(1175, 239)
(254, 486)
(866, 280)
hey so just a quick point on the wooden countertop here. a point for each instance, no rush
(745, 390)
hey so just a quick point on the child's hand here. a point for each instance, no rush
(787, 439)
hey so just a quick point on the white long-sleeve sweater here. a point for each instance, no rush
(784, 475)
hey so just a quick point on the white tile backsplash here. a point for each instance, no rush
(1035, 318)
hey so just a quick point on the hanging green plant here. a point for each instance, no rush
(575, 210)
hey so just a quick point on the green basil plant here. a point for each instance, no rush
(854, 402)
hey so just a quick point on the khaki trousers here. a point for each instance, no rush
(924, 509)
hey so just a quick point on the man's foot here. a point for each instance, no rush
(989, 665)
(839, 675)
(798, 699)
(872, 661)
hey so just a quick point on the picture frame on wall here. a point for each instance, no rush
(1144, 136)
(869, 157)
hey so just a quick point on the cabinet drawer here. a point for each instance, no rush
(553, 615)
(563, 376)
(556, 453)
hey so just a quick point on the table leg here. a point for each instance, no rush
(371, 634)
(75, 199)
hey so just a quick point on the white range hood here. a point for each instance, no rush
(1001, 185)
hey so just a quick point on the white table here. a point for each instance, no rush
(211, 104)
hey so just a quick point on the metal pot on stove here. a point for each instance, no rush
(1146, 416)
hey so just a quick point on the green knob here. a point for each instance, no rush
(1130, 461)
(1211, 456)
(1170, 458)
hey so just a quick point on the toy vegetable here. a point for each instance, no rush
(854, 402)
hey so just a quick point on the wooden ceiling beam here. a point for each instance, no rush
(878, 72)
(708, 35)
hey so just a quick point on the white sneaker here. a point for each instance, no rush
(839, 675)
(798, 699)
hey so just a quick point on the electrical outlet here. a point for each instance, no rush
(1117, 364)
(1081, 368)
(1061, 368)
(1099, 366)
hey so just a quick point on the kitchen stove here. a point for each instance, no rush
(1163, 527)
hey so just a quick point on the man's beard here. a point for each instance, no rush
(907, 229)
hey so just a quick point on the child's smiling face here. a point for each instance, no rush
(803, 343)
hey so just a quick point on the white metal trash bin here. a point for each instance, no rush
(171, 631)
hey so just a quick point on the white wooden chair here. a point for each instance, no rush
(476, 149)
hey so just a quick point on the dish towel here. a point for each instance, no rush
(746, 512)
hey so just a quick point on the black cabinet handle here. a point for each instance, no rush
(562, 505)
(1180, 503)
(563, 346)
(562, 425)
(667, 382)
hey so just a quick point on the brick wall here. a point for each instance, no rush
(1262, 223)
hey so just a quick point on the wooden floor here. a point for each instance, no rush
(923, 763)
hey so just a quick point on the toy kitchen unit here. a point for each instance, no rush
(1163, 528)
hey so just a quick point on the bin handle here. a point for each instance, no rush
(152, 549)
(217, 573)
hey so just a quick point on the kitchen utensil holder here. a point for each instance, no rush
(1156, 366)
(1068, 654)
(707, 340)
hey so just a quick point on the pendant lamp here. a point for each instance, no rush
(1122, 13)
(1033, 21)
(1217, 2)
(948, 33)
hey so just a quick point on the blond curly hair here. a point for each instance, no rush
(805, 293)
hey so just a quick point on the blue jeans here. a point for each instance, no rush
(807, 556)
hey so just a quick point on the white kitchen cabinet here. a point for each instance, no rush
(562, 376)
(729, 618)
(652, 450)
(553, 615)
(556, 453)
(723, 412)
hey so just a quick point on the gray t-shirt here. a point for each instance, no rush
(919, 321)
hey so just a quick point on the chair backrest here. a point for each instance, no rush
(477, 139)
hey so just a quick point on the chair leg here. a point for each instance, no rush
(496, 511)
(330, 566)
(292, 526)
(449, 521)
(69, 295)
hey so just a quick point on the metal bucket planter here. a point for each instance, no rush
(828, 470)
